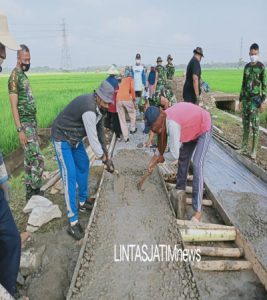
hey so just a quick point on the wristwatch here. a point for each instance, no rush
(19, 129)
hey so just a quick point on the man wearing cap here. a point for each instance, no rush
(170, 69)
(189, 125)
(112, 118)
(24, 112)
(139, 77)
(10, 244)
(82, 117)
(192, 90)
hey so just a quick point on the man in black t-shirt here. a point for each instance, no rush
(191, 90)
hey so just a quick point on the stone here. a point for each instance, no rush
(31, 260)
(43, 214)
(20, 279)
(36, 201)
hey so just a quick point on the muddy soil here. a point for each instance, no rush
(126, 216)
(52, 279)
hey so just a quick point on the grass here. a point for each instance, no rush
(52, 93)
(228, 80)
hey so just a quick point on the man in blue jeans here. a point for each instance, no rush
(82, 117)
(10, 244)
(10, 247)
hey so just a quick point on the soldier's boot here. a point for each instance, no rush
(29, 192)
(178, 201)
(244, 148)
(255, 142)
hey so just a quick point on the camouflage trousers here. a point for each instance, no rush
(33, 159)
(250, 114)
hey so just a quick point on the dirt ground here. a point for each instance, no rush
(126, 216)
(52, 279)
(232, 130)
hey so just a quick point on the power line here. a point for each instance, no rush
(65, 52)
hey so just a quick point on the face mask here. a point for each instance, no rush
(138, 61)
(254, 58)
(103, 110)
(25, 67)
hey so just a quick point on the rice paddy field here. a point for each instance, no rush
(53, 91)
(224, 80)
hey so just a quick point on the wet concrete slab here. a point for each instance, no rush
(242, 195)
(127, 216)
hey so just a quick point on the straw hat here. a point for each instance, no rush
(113, 71)
(5, 37)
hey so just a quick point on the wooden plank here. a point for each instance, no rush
(223, 265)
(217, 251)
(202, 225)
(205, 202)
(51, 182)
(207, 235)
(171, 186)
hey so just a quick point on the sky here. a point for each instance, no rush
(103, 32)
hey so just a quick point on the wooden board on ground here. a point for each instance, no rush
(206, 235)
(217, 251)
(223, 265)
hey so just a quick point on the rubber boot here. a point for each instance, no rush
(178, 201)
(244, 149)
(254, 145)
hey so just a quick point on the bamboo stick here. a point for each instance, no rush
(218, 251)
(205, 202)
(205, 235)
(202, 225)
(223, 265)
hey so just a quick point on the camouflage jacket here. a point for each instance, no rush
(19, 84)
(254, 82)
(161, 76)
(170, 70)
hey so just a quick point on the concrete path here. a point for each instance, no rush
(242, 195)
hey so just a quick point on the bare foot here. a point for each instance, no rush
(198, 216)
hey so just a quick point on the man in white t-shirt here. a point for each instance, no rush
(139, 76)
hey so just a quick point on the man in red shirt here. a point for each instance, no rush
(189, 129)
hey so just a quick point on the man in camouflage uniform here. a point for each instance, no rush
(170, 69)
(163, 98)
(24, 112)
(253, 94)
(161, 78)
